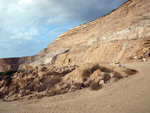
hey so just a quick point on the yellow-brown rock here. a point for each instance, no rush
(118, 36)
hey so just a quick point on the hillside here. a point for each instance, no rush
(123, 35)
(130, 95)
(100, 66)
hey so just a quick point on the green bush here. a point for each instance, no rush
(7, 76)
(1, 73)
(10, 72)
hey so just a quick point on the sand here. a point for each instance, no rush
(128, 95)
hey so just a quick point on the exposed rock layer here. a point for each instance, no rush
(118, 36)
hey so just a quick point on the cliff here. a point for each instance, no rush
(13, 63)
(123, 35)
(118, 36)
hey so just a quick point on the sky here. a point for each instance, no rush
(29, 26)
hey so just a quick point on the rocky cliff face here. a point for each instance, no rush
(13, 63)
(118, 36)
(123, 35)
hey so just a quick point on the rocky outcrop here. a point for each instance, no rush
(119, 36)
(12, 63)
(40, 81)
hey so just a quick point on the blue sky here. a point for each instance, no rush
(28, 26)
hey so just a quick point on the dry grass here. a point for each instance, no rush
(79, 85)
(130, 71)
(66, 72)
(56, 79)
(106, 77)
(13, 88)
(50, 73)
(53, 92)
(95, 86)
(44, 69)
(118, 75)
(87, 72)
(105, 69)
(50, 82)
(41, 88)
(63, 91)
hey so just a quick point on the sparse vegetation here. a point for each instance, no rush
(105, 69)
(53, 92)
(43, 69)
(95, 86)
(1, 73)
(50, 82)
(87, 72)
(79, 85)
(7, 76)
(50, 73)
(63, 91)
(106, 77)
(9, 72)
(118, 75)
(13, 88)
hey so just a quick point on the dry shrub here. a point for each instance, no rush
(50, 73)
(1, 95)
(86, 73)
(87, 83)
(53, 92)
(66, 72)
(66, 86)
(13, 87)
(50, 82)
(31, 79)
(55, 79)
(63, 91)
(84, 79)
(79, 85)
(39, 96)
(95, 86)
(95, 67)
(106, 77)
(41, 88)
(44, 69)
(130, 71)
(105, 69)
(34, 73)
(30, 86)
(102, 68)
(117, 75)
(7, 80)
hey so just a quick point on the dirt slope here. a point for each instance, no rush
(129, 95)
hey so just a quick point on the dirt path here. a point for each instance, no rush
(129, 95)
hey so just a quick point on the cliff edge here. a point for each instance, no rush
(123, 35)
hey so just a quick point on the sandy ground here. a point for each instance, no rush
(129, 95)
